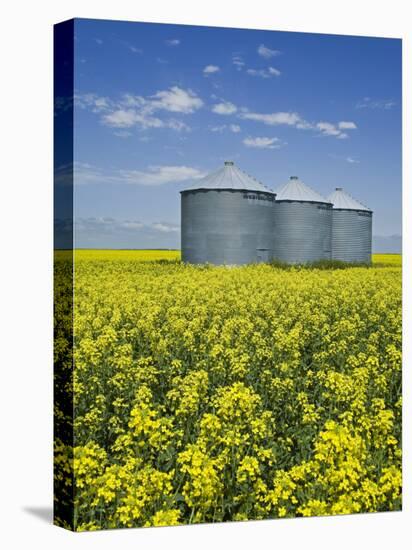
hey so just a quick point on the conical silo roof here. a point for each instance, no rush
(296, 190)
(230, 177)
(343, 201)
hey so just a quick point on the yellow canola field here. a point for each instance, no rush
(394, 260)
(127, 255)
(205, 394)
(154, 255)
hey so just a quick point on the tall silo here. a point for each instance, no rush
(227, 218)
(302, 224)
(351, 228)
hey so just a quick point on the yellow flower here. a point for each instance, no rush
(206, 394)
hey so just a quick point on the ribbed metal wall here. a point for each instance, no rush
(351, 235)
(302, 231)
(231, 227)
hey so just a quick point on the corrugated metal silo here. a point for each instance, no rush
(227, 218)
(302, 224)
(351, 228)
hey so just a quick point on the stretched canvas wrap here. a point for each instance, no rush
(227, 274)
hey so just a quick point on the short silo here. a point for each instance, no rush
(302, 224)
(351, 228)
(227, 218)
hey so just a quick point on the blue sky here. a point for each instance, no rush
(158, 106)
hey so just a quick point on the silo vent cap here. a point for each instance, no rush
(294, 178)
(229, 163)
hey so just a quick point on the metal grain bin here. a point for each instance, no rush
(351, 228)
(302, 224)
(227, 218)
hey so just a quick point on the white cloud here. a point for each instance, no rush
(126, 118)
(273, 119)
(129, 118)
(159, 175)
(274, 71)
(98, 41)
(219, 128)
(264, 73)
(173, 42)
(123, 134)
(235, 128)
(177, 125)
(238, 62)
(295, 120)
(177, 100)
(134, 110)
(304, 125)
(350, 160)
(328, 129)
(120, 118)
(224, 108)
(101, 104)
(256, 72)
(135, 50)
(93, 102)
(131, 100)
(165, 227)
(108, 226)
(369, 103)
(108, 232)
(210, 69)
(266, 52)
(85, 174)
(127, 224)
(347, 125)
(262, 142)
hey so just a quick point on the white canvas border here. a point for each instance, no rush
(26, 273)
